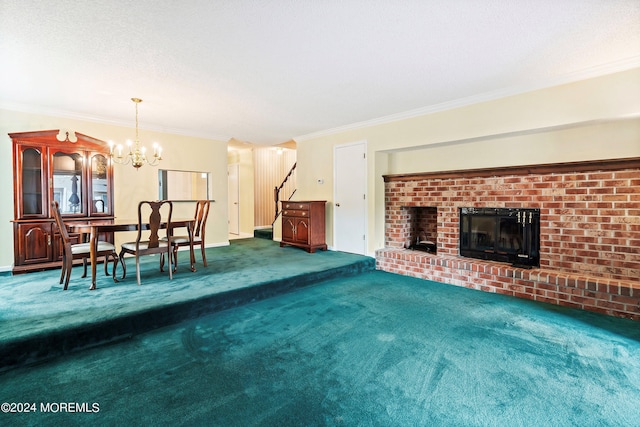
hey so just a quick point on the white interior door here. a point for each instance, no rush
(350, 198)
(234, 198)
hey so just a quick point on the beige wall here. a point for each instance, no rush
(130, 185)
(592, 119)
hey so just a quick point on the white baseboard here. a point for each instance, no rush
(242, 235)
(208, 245)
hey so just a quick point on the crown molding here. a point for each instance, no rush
(52, 112)
(593, 72)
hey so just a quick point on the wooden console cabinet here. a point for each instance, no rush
(74, 171)
(303, 225)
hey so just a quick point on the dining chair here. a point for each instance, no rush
(199, 228)
(71, 251)
(152, 244)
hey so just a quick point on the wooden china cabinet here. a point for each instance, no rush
(77, 173)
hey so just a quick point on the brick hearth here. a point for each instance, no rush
(589, 231)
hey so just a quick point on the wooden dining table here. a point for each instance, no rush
(95, 228)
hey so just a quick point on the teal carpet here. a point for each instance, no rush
(371, 349)
(39, 321)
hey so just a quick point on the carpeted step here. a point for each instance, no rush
(263, 233)
(49, 344)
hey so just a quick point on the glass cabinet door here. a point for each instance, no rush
(67, 182)
(99, 200)
(32, 182)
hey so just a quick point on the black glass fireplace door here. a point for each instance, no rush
(501, 234)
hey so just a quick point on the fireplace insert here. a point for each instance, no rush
(501, 234)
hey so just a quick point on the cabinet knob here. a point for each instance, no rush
(337, 205)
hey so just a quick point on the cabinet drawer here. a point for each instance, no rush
(297, 205)
(295, 212)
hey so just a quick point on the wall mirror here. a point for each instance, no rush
(183, 185)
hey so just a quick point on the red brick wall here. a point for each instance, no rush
(589, 221)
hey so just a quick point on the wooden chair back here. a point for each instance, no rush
(155, 210)
(64, 233)
(79, 250)
(202, 212)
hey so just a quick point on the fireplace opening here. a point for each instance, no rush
(501, 234)
(423, 231)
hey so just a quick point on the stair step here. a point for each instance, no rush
(263, 233)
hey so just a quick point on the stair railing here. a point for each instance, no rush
(284, 191)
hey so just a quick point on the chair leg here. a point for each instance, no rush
(63, 269)
(68, 265)
(138, 268)
(106, 264)
(84, 268)
(162, 262)
(170, 268)
(175, 257)
(116, 260)
(204, 257)
(124, 265)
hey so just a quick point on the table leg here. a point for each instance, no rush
(93, 250)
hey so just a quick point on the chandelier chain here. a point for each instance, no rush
(136, 156)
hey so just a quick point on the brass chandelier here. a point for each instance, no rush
(137, 155)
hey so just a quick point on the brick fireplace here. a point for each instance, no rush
(589, 231)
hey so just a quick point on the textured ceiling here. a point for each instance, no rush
(269, 71)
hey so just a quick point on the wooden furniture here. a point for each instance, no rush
(48, 167)
(195, 238)
(303, 225)
(152, 244)
(97, 228)
(80, 250)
